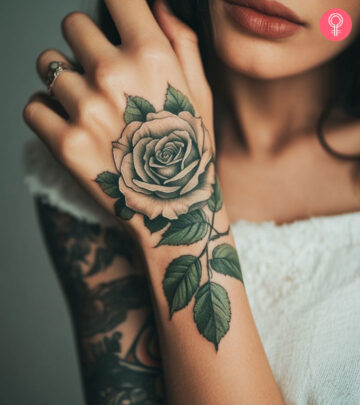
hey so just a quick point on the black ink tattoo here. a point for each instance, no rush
(166, 172)
(82, 254)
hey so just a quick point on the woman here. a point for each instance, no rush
(153, 281)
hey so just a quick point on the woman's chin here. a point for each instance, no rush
(256, 68)
(258, 64)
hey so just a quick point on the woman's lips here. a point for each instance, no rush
(268, 19)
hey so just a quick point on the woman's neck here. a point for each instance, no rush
(270, 113)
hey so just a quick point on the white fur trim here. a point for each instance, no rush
(46, 178)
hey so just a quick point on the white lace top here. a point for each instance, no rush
(303, 285)
(302, 280)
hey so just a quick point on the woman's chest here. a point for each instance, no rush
(289, 188)
(302, 282)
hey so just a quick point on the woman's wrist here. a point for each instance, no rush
(186, 261)
(193, 233)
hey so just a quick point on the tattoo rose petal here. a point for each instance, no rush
(165, 164)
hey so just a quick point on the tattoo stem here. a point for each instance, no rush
(220, 234)
(206, 247)
(212, 227)
(209, 272)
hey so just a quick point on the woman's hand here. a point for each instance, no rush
(137, 124)
(155, 162)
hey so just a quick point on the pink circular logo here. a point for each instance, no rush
(335, 24)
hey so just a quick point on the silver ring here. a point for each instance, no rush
(55, 69)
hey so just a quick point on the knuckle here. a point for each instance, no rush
(152, 50)
(104, 72)
(88, 108)
(188, 36)
(73, 141)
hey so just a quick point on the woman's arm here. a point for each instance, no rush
(108, 297)
(211, 350)
(139, 136)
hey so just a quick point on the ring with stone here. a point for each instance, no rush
(55, 69)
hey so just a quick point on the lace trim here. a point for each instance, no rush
(327, 232)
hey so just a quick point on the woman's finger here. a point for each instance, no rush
(44, 121)
(185, 45)
(134, 20)
(69, 88)
(88, 42)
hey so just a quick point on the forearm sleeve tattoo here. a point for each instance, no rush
(117, 369)
(165, 172)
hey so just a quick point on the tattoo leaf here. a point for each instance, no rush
(109, 183)
(176, 102)
(121, 210)
(215, 202)
(136, 109)
(106, 306)
(156, 224)
(103, 259)
(225, 260)
(187, 229)
(181, 280)
(212, 312)
(79, 250)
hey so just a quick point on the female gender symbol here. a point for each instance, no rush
(336, 31)
(330, 24)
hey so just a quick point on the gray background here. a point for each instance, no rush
(38, 362)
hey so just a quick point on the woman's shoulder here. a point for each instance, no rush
(316, 232)
(292, 265)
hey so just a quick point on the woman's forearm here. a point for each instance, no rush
(211, 351)
(108, 297)
(140, 139)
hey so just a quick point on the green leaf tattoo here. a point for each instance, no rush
(137, 108)
(176, 102)
(186, 230)
(168, 177)
(109, 183)
(216, 201)
(225, 260)
(181, 280)
(157, 224)
(212, 312)
(122, 211)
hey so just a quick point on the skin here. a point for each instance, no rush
(276, 59)
(106, 289)
(154, 53)
(274, 147)
(278, 89)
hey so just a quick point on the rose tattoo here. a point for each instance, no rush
(165, 164)
(165, 172)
